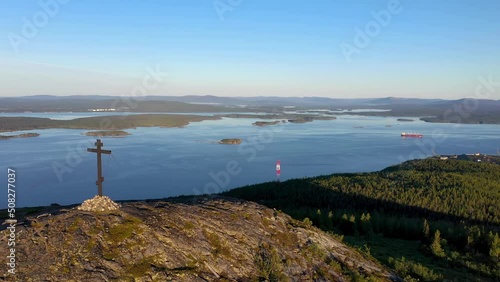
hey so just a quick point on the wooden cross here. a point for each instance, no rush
(99, 151)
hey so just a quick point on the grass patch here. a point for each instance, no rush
(119, 232)
(188, 225)
(141, 268)
(382, 248)
(416, 264)
(269, 264)
(217, 247)
(413, 269)
(90, 246)
(74, 225)
(287, 238)
(110, 254)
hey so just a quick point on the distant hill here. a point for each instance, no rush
(430, 110)
(398, 101)
(84, 104)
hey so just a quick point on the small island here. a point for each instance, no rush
(108, 133)
(265, 123)
(230, 141)
(23, 135)
(301, 119)
(405, 119)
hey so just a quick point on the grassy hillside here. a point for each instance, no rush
(429, 219)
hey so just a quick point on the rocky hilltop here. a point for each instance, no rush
(182, 239)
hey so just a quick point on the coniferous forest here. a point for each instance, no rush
(429, 220)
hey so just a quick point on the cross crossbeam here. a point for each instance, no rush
(99, 151)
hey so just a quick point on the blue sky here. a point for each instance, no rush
(426, 49)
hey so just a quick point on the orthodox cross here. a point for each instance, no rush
(99, 151)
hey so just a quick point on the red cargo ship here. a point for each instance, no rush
(414, 135)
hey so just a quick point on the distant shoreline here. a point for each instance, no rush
(107, 133)
(23, 135)
(120, 122)
(466, 111)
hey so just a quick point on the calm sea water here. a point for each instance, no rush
(160, 162)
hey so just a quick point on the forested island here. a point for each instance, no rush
(433, 219)
(301, 120)
(230, 141)
(8, 124)
(294, 118)
(108, 133)
(304, 119)
(23, 135)
(266, 123)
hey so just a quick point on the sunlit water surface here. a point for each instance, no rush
(160, 162)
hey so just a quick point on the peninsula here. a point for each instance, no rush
(266, 123)
(8, 124)
(23, 135)
(108, 133)
(293, 118)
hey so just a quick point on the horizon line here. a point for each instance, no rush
(258, 96)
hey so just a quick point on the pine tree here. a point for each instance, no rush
(494, 244)
(436, 248)
(426, 229)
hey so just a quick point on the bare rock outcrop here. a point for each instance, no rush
(182, 239)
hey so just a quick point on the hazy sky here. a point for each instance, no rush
(331, 48)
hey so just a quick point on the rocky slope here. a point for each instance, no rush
(182, 239)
